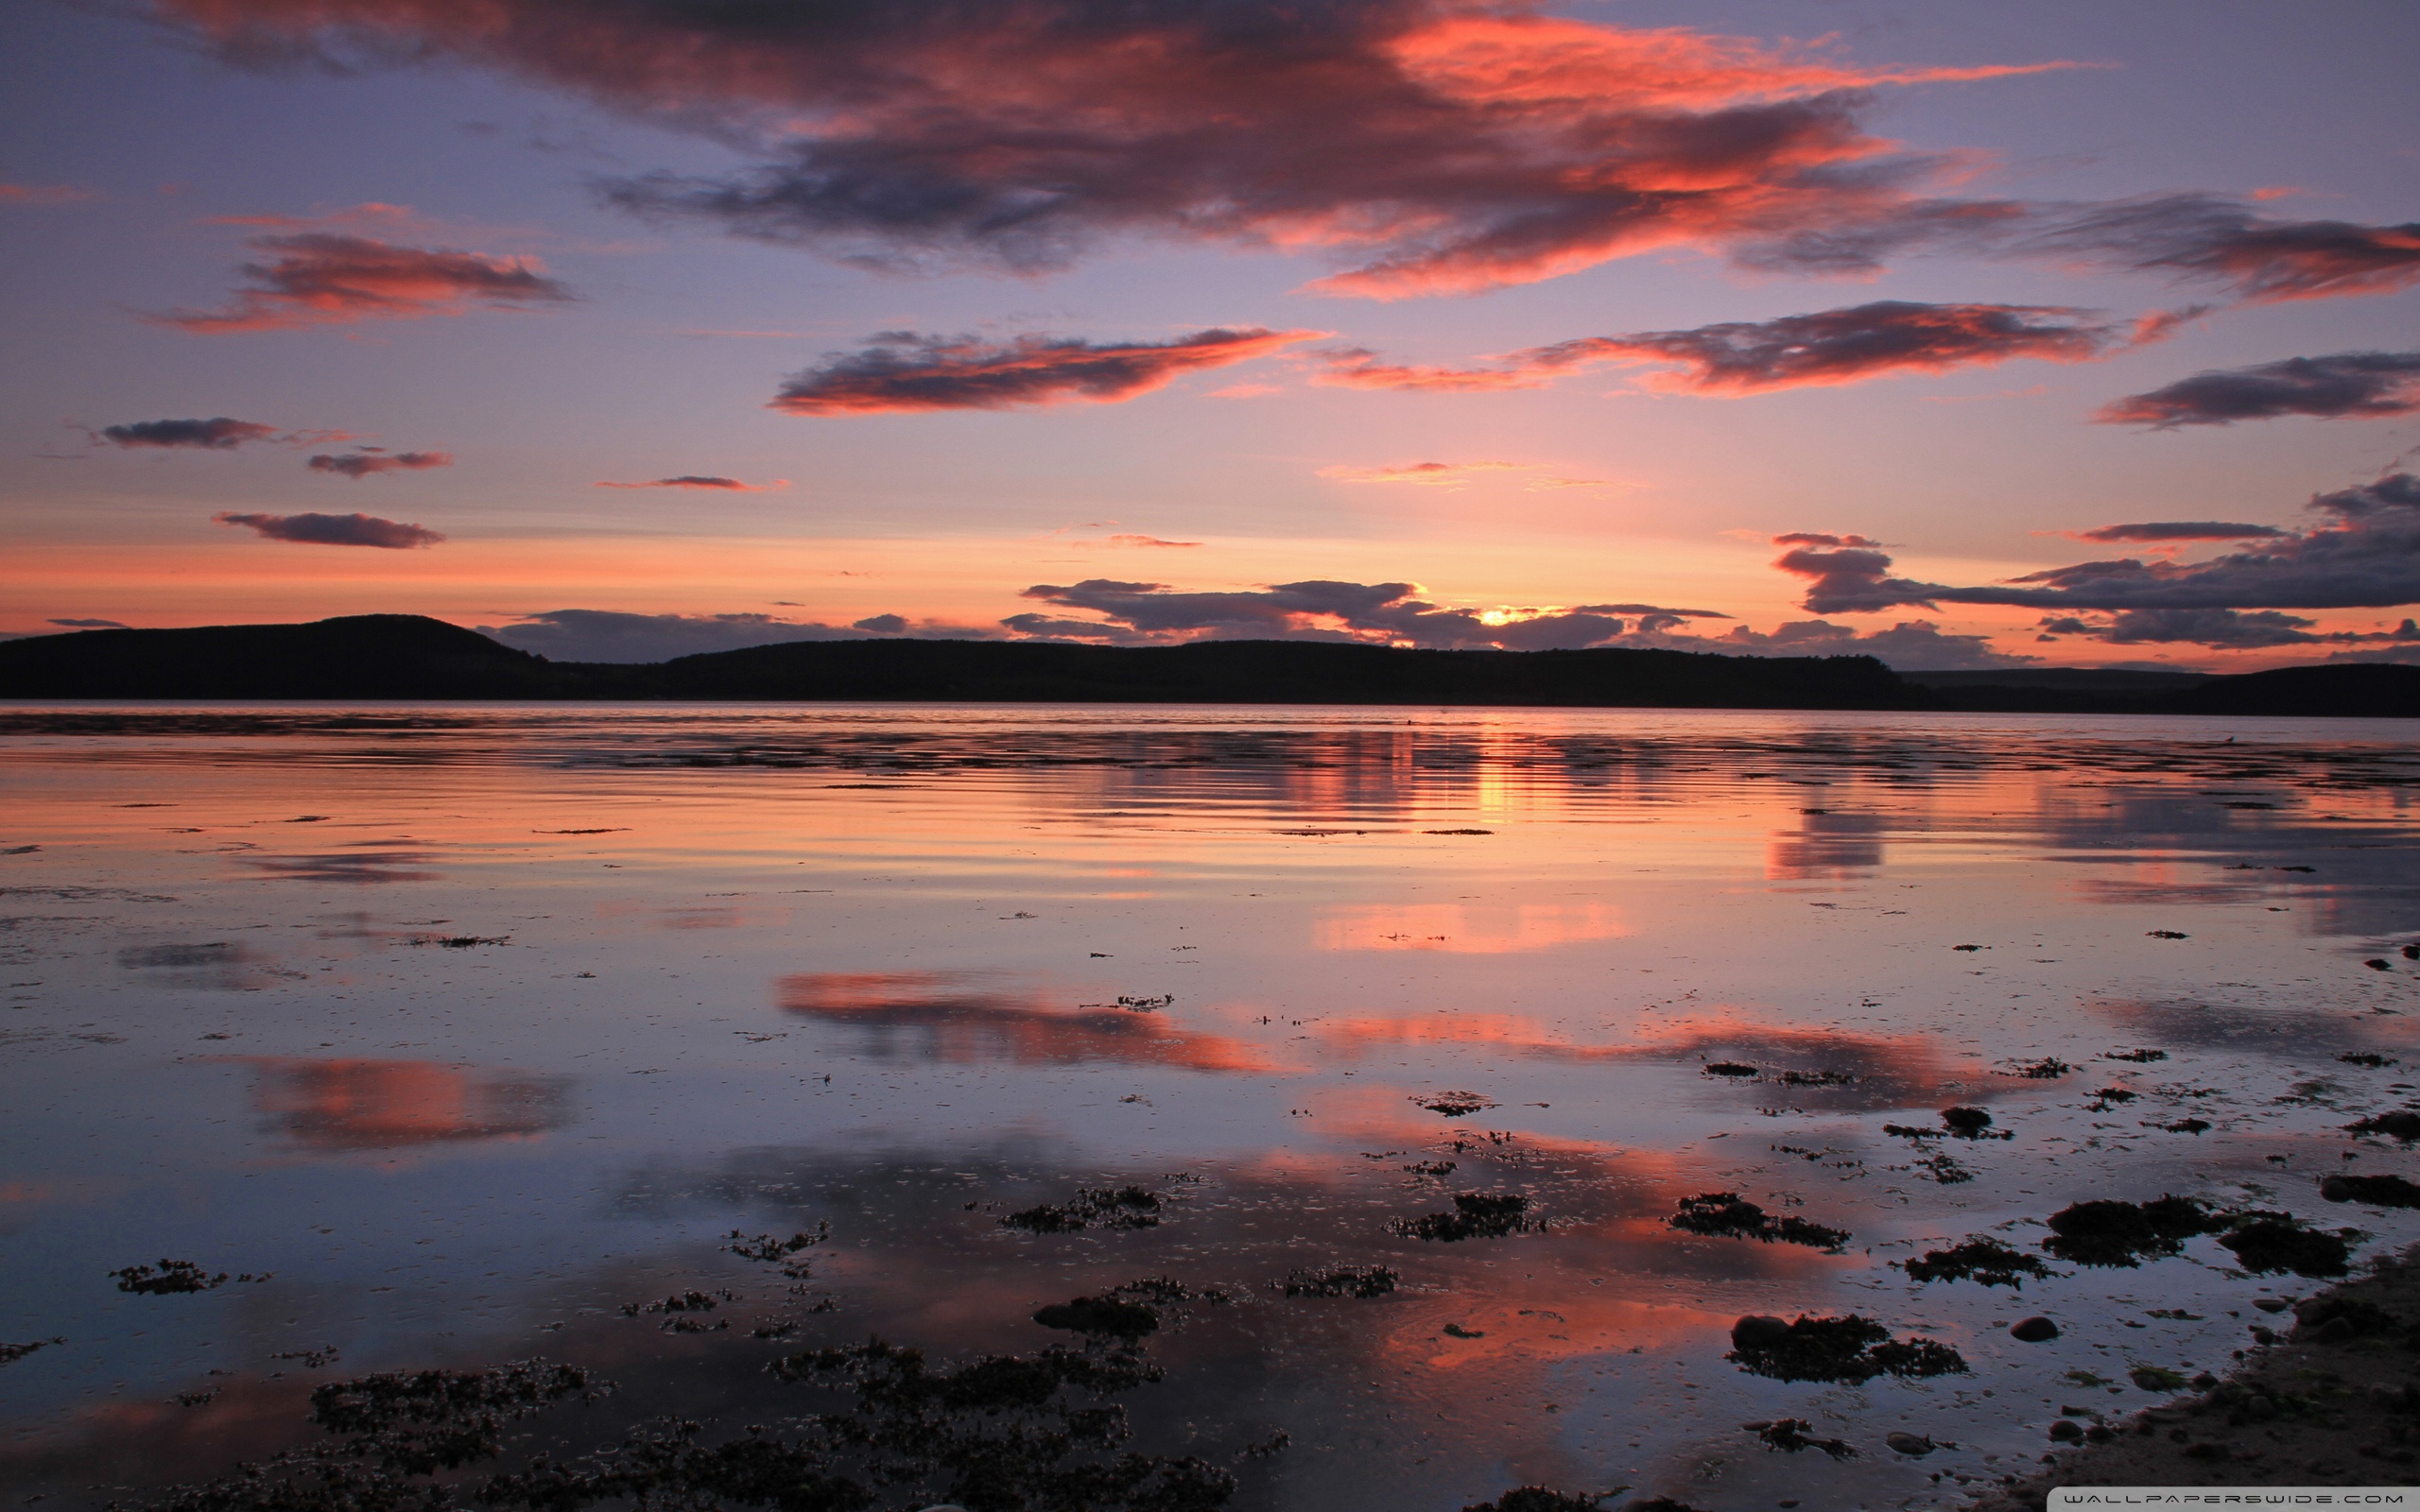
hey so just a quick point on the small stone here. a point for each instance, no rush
(2271, 1304)
(2066, 1430)
(1758, 1331)
(1915, 1446)
(2033, 1331)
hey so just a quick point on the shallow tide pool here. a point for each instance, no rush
(473, 1035)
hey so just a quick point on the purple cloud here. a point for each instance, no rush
(334, 529)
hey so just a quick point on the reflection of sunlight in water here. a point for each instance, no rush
(1484, 929)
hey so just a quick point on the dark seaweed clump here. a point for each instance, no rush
(1106, 1315)
(1815, 1079)
(996, 1434)
(1847, 1350)
(2267, 1243)
(1454, 1105)
(1476, 1216)
(2049, 1068)
(1128, 1207)
(2123, 1234)
(1127, 1311)
(1730, 1068)
(1793, 1435)
(1343, 1280)
(172, 1276)
(1539, 1499)
(2377, 1190)
(1959, 1122)
(11, 1353)
(1987, 1261)
(691, 1302)
(771, 1250)
(2403, 1124)
(2370, 1058)
(1726, 1214)
(2139, 1056)
(2116, 1235)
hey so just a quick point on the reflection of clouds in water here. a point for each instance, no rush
(1887, 1070)
(1828, 846)
(1482, 929)
(214, 966)
(369, 1105)
(364, 865)
(2287, 1033)
(964, 1017)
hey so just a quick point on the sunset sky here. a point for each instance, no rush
(1956, 333)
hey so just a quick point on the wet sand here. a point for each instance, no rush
(2335, 1402)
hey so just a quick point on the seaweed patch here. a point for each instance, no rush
(1476, 1216)
(1342, 1280)
(1454, 1105)
(1985, 1261)
(1846, 1350)
(1726, 1214)
(1127, 1207)
(2123, 1234)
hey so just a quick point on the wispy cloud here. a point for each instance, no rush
(318, 278)
(700, 480)
(1424, 475)
(218, 434)
(2344, 385)
(902, 372)
(2157, 530)
(334, 529)
(371, 462)
(1842, 346)
(30, 195)
(1360, 368)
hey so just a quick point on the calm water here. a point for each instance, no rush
(470, 1026)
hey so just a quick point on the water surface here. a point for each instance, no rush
(469, 1027)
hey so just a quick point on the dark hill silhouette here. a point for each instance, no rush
(406, 656)
(1281, 672)
(361, 655)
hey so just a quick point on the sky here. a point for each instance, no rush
(1962, 334)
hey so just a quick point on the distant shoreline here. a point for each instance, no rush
(375, 656)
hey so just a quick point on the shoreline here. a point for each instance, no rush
(2334, 1399)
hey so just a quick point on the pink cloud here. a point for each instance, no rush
(323, 278)
(900, 372)
(371, 462)
(1433, 146)
(32, 194)
(694, 480)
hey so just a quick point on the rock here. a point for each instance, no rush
(2066, 1430)
(2271, 1304)
(1758, 1331)
(2036, 1329)
(1915, 1446)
